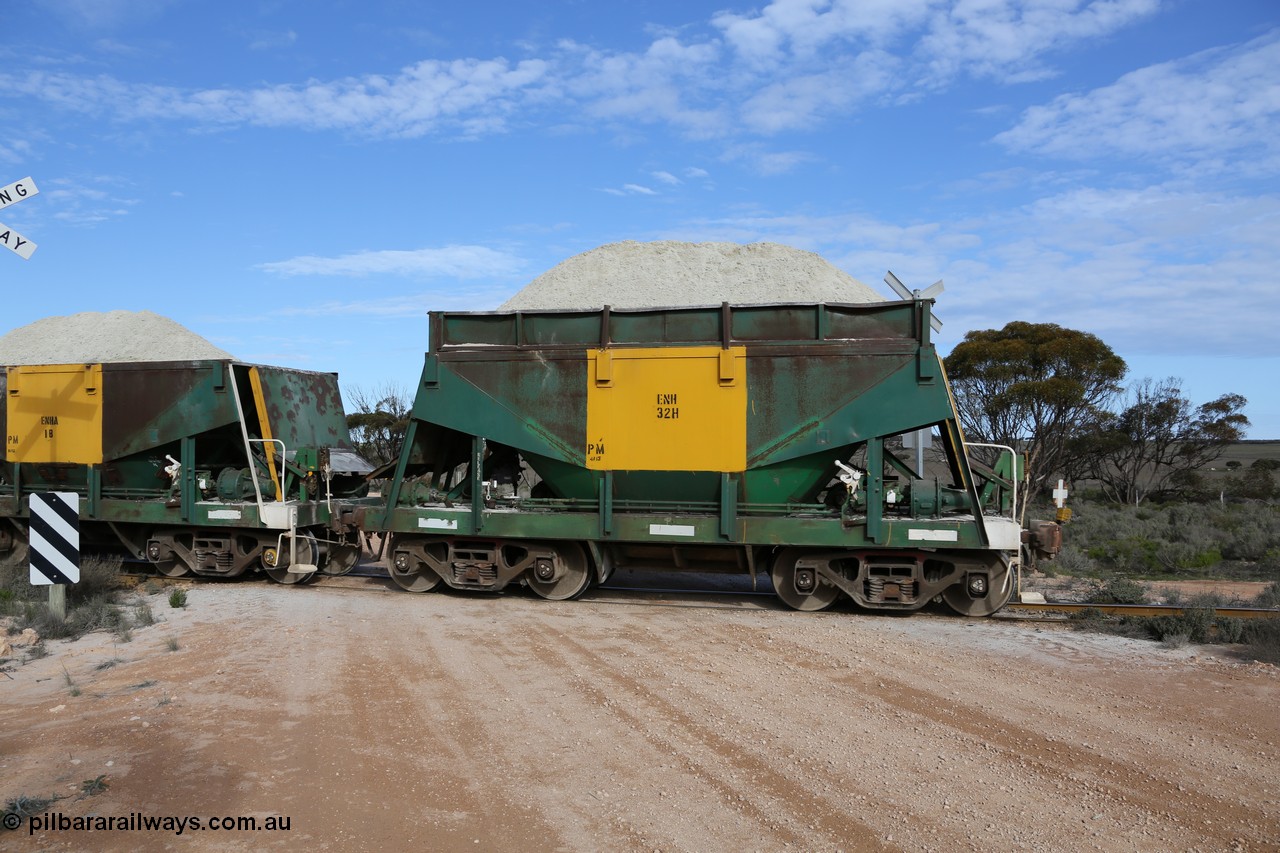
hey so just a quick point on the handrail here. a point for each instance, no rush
(1013, 505)
(280, 494)
(1014, 479)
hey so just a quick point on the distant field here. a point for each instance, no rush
(1246, 453)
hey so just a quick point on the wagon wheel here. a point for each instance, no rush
(801, 587)
(170, 566)
(307, 552)
(1000, 584)
(408, 573)
(343, 557)
(566, 576)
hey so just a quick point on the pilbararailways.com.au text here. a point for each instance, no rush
(138, 822)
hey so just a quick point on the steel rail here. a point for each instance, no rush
(1013, 610)
(1146, 610)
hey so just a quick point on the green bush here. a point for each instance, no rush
(1229, 629)
(91, 602)
(1194, 623)
(1238, 540)
(1120, 591)
(142, 614)
(1262, 639)
(1073, 561)
(1269, 597)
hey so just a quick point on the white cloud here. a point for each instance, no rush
(666, 178)
(450, 261)
(629, 189)
(86, 201)
(801, 100)
(1159, 270)
(470, 96)
(764, 161)
(1210, 108)
(14, 150)
(788, 66)
(1008, 39)
(665, 83)
(1004, 39)
(802, 28)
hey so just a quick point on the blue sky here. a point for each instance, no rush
(299, 182)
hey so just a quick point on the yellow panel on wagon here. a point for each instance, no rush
(667, 409)
(54, 413)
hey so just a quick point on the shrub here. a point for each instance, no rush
(91, 603)
(25, 806)
(1120, 591)
(99, 577)
(1262, 639)
(1229, 629)
(90, 787)
(1074, 561)
(177, 598)
(1087, 619)
(99, 613)
(1194, 622)
(142, 614)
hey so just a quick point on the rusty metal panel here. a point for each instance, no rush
(151, 404)
(304, 408)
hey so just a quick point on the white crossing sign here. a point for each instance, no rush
(55, 538)
(15, 242)
(17, 191)
(9, 195)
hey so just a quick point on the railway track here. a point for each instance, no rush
(367, 577)
(1049, 609)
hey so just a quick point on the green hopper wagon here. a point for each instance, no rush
(208, 467)
(553, 447)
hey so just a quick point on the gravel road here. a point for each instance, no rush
(378, 720)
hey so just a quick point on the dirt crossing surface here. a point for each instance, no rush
(377, 720)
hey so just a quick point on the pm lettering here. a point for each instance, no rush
(667, 409)
(595, 450)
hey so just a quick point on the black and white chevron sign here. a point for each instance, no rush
(55, 538)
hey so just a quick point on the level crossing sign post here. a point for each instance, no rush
(55, 545)
(10, 195)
